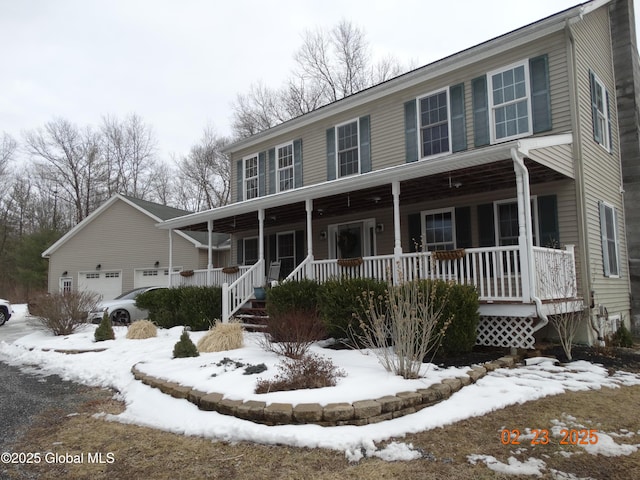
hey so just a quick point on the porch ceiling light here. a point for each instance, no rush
(323, 235)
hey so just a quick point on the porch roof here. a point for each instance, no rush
(470, 168)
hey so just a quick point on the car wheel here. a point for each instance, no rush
(3, 316)
(121, 317)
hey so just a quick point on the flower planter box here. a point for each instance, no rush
(350, 262)
(448, 254)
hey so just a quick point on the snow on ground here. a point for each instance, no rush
(365, 379)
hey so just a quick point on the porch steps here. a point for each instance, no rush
(253, 316)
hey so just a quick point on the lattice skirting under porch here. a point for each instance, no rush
(506, 332)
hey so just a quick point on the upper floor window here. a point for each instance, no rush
(348, 148)
(609, 233)
(285, 167)
(509, 101)
(251, 177)
(600, 112)
(434, 124)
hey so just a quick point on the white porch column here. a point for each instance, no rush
(309, 208)
(397, 243)
(261, 235)
(170, 257)
(525, 235)
(209, 252)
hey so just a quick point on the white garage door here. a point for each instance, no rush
(151, 277)
(107, 284)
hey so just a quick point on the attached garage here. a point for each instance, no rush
(150, 277)
(107, 284)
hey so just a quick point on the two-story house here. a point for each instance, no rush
(498, 166)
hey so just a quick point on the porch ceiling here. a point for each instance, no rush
(455, 183)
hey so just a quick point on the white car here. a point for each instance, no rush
(5, 311)
(122, 310)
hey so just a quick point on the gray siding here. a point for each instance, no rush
(120, 238)
(601, 169)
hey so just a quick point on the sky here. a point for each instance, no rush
(180, 64)
(34, 351)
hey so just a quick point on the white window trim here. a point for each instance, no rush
(492, 125)
(605, 251)
(423, 224)
(61, 283)
(367, 223)
(607, 121)
(293, 166)
(357, 122)
(244, 174)
(534, 217)
(419, 123)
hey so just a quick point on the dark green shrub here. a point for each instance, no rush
(622, 338)
(462, 307)
(104, 330)
(185, 347)
(341, 303)
(195, 307)
(292, 296)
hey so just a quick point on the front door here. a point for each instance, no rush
(349, 240)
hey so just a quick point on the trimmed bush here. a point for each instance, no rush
(194, 307)
(461, 306)
(289, 296)
(310, 371)
(223, 336)
(142, 329)
(341, 303)
(104, 330)
(185, 347)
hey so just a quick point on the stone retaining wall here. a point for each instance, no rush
(357, 413)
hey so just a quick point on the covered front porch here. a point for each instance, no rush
(517, 280)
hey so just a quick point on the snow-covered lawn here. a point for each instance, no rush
(365, 379)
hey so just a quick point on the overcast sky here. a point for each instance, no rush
(179, 64)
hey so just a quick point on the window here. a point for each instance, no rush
(286, 252)
(250, 251)
(284, 160)
(66, 284)
(347, 148)
(507, 225)
(509, 94)
(92, 276)
(439, 230)
(608, 230)
(112, 275)
(600, 112)
(434, 124)
(150, 273)
(251, 177)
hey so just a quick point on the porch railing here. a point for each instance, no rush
(236, 294)
(555, 273)
(200, 277)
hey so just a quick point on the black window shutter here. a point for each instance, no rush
(486, 225)
(463, 227)
(548, 221)
(262, 178)
(458, 121)
(240, 252)
(609, 123)
(272, 244)
(331, 153)
(272, 170)
(480, 104)
(301, 251)
(540, 93)
(415, 232)
(239, 179)
(411, 131)
(365, 144)
(297, 163)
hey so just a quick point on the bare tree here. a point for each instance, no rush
(128, 148)
(206, 173)
(8, 148)
(330, 65)
(69, 158)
